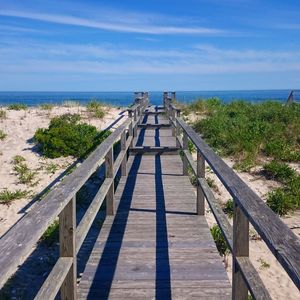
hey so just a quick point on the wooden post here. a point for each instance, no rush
(200, 174)
(123, 147)
(67, 239)
(109, 172)
(177, 130)
(173, 117)
(139, 113)
(185, 147)
(130, 128)
(135, 126)
(240, 248)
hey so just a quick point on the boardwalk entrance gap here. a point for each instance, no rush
(155, 242)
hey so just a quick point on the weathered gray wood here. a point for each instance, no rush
(251, 277)
(200, 174)
(55, 279)
(109, 173)
(89, 216)
(124, 160)
(240, 249)
(283, 243)
(67, 246)
(185, 147)
(18, 243)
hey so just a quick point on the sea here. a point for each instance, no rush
(126, 98)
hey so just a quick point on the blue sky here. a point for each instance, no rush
(127, 45)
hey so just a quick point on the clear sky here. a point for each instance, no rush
(71, 45)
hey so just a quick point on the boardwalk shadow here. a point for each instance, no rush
(106, 268)
(141, 137)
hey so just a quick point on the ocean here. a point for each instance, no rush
(126, 98)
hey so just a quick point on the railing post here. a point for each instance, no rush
(177, 129)
(139, 113)
(67, 235)
(200, 174)
(109, 172)
(173, 117)
(185, 145)
(240, 248)
(123, 147)
(130, 128)
(135, 126)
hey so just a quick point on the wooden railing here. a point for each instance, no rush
(248, 208)
(17, 244)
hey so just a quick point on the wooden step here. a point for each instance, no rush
(162, 125)
(153, 150)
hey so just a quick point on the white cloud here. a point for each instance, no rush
(122, 26)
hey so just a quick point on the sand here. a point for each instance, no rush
(20, 127)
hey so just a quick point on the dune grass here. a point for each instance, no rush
(7, 196)
(17, 106)
(249, 132)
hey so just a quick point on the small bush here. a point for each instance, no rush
(67, 137)
(25, 175)
(219, 240)
(228, 208)
(6, 196)
(51, 168)
(96, 109)
(279, 171)
(2, 114)
(47, 106)
(286, 199)
(3, 135)
(51, 235)
(17, 106)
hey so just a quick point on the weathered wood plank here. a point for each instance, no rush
(51, 286)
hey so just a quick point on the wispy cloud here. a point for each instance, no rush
(143, 28)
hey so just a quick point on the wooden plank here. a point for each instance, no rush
(109, 173)
(67, 248)
(185, 147)
(283, 243)
(200, 174)
(124, 160)
(55, 279)
(240, 249)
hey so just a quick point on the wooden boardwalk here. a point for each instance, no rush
(156, 246)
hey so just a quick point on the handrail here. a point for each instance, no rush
(18, 242)
(249, 207)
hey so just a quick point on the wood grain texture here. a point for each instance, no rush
(156, 246)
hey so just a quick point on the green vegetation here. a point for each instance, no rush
(51, 168)
(285, 199)
(246, 130)
(47, 106)
(6, 196)
(263, 264)
(3, 135)
(17, 106)
(228, 208)
(25, 175)
(219, 240)
(96, 109)
(51, 235)
(2, 114)
(279, 171)
(67, 137)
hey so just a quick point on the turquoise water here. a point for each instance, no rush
(126, 98)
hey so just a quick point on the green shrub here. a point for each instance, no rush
(246, 130)
(51, 168)
(279, 171)
(2, 114)
(285, 199)
(219, 240)
(47, 106)
(6, 196)
(96, 109)
(3, 135)
(67, 137)
(228, 208)
(25, 175)
(17, 106)
(51, 235)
